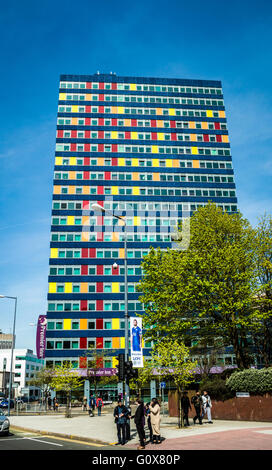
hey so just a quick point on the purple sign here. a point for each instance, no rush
(103, 372)
(41, 335)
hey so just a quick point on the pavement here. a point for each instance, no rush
(221, 435)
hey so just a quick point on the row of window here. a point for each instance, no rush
(96, 253)
(80, 363)
(160, 123)
(86, 324)
(111, 237)
(140, 99)
(90, 287)
(100, 270)
(99, 305)
(142, 111)
(141, 87)
(142, 136)
(133, 176)
(120, 148)
(83, 343)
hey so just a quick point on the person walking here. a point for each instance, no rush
(119, 414)
(99, 404)
(147, 413)
(55, 404)
(91, 405)
(207, 405)
(185, 406)
(49, 402)
(139, 419)
(84, 404)
(155, 419)
(197, 402)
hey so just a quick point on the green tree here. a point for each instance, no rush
(66, 379)
(42, 380)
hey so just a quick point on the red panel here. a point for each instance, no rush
(206, 137)
(134, 122)
(92, 252)
(101, 121)
(99, 323)
(114, 161)
(83, 343)
(100, 134)
(87, 121)
(100, 147)
(84, 252)
(84, 304)
(173, 136)
(100, 189)
(84, 270)
(173, 124)
(107, 175)
(217, 125)
(114, 86)
(127, 135)
(73, 148)
(101, 203)
(100, 222)
(74, 134)
(83, 362)
(99, 305)
(99, 287)
(60, 134)
(101, 109)
(99, 236)
(153, 123)
(89, 85)
(87, 134)
(99, 363)
(101, 85)
(114, 122)
(87, 161)
(154, 135)
(101, 97)
(99, 343)
(114, 148)
(100, 270)
(86, 205)
(87, 109)
(87, 147)
(86, 175)
(218, 138)
(115, 271)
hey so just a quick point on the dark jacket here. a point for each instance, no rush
(185, 403)
(139, 415)
(197, 401)
(124, 411)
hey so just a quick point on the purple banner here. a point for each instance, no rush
(41, 335)
(103, 372)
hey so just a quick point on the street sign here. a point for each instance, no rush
(162, 384)
(242, 394)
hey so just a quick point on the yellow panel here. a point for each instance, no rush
(136, 220)
(176, 163)
(159, 111)
(122, 343)
(160, 123)
(115, 287)
(75, 108)
(114, 362)
(193, 137)
(134, 135)
(84, 287)
(100, 161)
(86, 190)
(155, 149)
(74, 121)
(114, 190)
(68, 288)
(114, 135)
(204, 125)
(192, 125)
(83, 324)
(194, 150)
(127, 122)
(115, 343)
(72, 161)
(121, 110)
(222, 114)
(67, 324)
(121, 252)
(71, 189)
(58, 161)
(135, 162)
(85, 220)
(225, 138)
(155, 162)
(160, 136)
(121, 162)
(133, 86)
(54, 253)
(209, 113)
(62, 96)
(169, 163)
(115, 323)
(72, 175)
(195, 163)
(52, 288)
(135, 176)
(136, 190)
(172, 112)
(114, 110)
(115, 237)
(70, 220)
(156, 176)
(57, 189)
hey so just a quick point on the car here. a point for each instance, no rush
(4, 403)
(4, 423)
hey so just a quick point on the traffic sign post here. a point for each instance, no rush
(162, 387)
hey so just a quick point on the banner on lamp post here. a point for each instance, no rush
(136, 340)
(41, 336)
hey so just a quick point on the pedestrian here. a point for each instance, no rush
(99, 404)
(139, 419)
(185, 406)
(197, 402)
(147, 412)
(207, 405)
(92, 402)
(155, 419)
(84, 404)
(49, 402)
(128, 418)
(119, 414)
(55, 404)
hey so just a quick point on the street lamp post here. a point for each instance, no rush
(97, 207)
(12, 349)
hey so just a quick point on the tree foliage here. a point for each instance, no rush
(256, 382)
(66, 379)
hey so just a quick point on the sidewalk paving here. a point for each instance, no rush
(102, 430)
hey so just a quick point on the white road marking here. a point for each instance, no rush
(44, 442)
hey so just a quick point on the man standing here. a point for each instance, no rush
(185, 405)
(119, 414)
(207, 405)
(197, 402)
(91, 405)
(136, 333)
(99, 404)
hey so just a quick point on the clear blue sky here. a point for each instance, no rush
(229, 41)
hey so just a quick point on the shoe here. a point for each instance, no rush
(210, 422)
(194, 420)
(140, 447)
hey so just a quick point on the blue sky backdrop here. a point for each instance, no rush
(227, 41)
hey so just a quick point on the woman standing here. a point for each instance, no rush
(155, 419)
(139, 419)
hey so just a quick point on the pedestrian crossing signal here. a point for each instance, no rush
(121, 367)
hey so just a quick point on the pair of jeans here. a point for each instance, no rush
(121, 429)
(99, 410)
(198, 414)
(141, 434)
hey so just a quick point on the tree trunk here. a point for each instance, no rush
(68, 410)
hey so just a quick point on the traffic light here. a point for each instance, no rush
(121, 367)
(130, 373)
